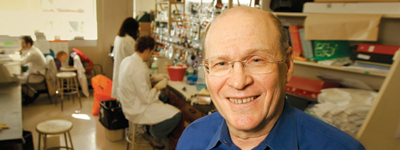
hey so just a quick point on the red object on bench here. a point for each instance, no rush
(308, 87)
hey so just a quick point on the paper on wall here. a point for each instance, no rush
(356, 27)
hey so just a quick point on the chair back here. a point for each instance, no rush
(51, 75)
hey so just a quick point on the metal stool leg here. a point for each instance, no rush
(40, 136)
(70, 140)
(77, 91)
(62, 94)
(65, 139)
(45, 142)
(71, 88)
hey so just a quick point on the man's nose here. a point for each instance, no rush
(238, 78)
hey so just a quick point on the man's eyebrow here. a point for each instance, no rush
(220, 57)
(251, 51)
(263, 51)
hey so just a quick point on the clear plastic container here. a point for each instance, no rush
(154, 68)
(201, 78)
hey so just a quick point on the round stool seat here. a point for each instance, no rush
(54, 126)
(66, 74)
(67, 68)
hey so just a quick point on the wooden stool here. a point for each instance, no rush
(68, 85)
(55, 127)
(68, 69)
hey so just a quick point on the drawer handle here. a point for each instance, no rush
(173, 135)
(192, 110)
(189, 120)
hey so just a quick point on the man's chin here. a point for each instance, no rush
(244, 124)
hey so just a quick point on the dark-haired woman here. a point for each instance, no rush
(124, 44)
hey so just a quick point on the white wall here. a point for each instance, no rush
(110, 15)
(141, 6)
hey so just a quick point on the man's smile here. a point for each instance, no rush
(242, 100)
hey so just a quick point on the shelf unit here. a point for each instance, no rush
(310, 69)
(290, 14)
(170, 3)
(338, 68)
(382, 122)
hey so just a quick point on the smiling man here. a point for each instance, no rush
(248, 62)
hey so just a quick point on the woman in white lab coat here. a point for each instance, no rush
(123, 46)
(140, 102)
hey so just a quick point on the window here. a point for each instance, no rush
(65, 19)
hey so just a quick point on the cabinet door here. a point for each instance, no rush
(176, 100)
(192, 113)
(165, 91)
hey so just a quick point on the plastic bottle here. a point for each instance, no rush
(154, 68)
(201, 78)
(190, 70)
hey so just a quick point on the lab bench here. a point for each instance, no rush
(180, 95)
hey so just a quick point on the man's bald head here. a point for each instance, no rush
(255, 17)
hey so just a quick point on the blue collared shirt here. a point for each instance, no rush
(294, 130)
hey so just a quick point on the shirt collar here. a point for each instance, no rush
(282, 136)
(138, 58)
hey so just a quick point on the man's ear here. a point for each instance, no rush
(289, 64)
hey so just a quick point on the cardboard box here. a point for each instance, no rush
(352, 8)
(308, 87)
(144, 28)
(342, 1)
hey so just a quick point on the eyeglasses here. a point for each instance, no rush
(255, 64)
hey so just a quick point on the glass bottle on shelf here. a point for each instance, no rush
(217, 10)
(154, 68)
(153, 26)
(178, 31)
(173, 29)
(201, 80)
(165, 13)
(194, 30)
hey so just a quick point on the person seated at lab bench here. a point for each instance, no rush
(60, 58)
(124, 46)
(140, 102)
(33, 59)
(33, 67)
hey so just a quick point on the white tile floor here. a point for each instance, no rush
(87, 132)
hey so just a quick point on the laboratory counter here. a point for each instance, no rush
(11, 113)
(182, 96)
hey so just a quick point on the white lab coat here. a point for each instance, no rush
(81, 75)
(139, 101)
(34, 59)
(123, 47)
